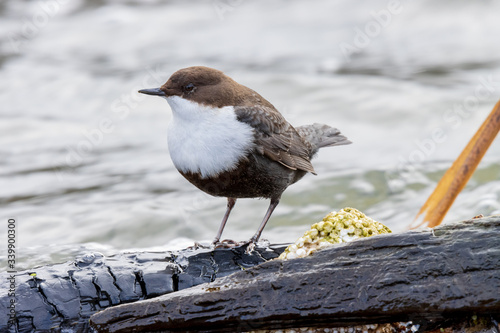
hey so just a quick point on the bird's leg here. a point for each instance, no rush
(255, 238)
(230, 204)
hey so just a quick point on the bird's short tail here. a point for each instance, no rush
(321, 135)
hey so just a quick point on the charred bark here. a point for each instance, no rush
(64, 296)
(438, 275)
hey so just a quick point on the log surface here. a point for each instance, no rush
(425, 276)
(62, 297)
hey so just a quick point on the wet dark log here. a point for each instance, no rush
(64, 296)
(447, 273)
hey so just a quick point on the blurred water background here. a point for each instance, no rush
(84, 158)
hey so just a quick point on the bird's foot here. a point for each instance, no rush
(231, 244)
(252, 244)
(226, 244)
(250, 247)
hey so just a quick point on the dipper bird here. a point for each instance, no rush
(229, 141)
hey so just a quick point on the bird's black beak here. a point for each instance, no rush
(153, 91)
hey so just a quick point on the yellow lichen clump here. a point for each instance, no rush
(343, 226)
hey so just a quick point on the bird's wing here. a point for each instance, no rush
(276, 138)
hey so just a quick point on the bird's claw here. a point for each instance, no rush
(231, 244)
(226, 244)
(254, 242)
(250, 247)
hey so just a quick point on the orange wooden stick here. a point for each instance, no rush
(455, 179)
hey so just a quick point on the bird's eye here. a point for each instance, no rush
(189, 87)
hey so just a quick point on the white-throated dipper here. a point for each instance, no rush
(229, 141)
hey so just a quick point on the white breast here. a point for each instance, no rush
(204, 139)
